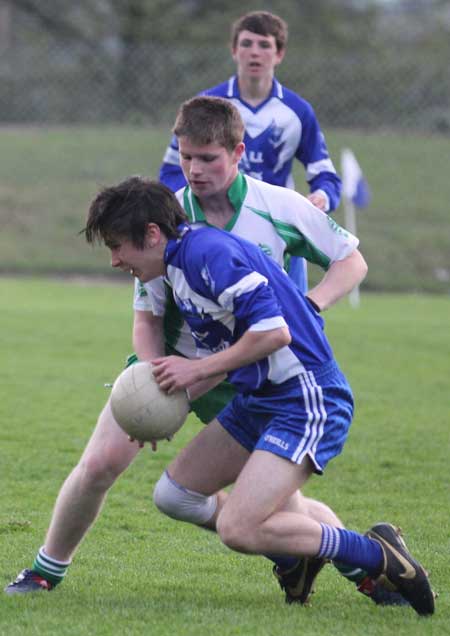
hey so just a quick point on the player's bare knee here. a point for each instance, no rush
(233, 532)
(108, 453)
(98, 470)
(179, 503)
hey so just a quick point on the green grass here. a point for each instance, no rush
(50, 175)
(47, 183)
(140, 573)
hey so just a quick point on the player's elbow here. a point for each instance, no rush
(281, 338)
(360, 266)
(355, 268)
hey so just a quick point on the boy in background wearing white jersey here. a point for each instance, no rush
(280, 126)
(279, 220)
(293, 406)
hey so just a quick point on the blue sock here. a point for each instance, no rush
(351, 548)
(284, 562)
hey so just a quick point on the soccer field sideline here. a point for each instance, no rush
(138, 572)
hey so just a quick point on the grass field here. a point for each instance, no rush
(140, 573)
(49, 176)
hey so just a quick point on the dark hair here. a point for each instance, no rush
(261, 23)
(210, 120)
(124, 211)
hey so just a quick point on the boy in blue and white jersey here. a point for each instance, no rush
(293, 408)
(280, 126)
(221, 303)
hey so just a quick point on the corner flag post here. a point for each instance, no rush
(350, 224)
(356, 194)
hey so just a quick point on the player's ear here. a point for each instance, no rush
(153, 234)
(280, 56)
(239, 151)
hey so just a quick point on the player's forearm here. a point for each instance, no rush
(339, 280)
(174, 373)
(201, 387)
(251, 347)
(148, 335)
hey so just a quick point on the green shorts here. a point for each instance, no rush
(209, 405)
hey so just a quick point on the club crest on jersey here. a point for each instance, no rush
(275, 135)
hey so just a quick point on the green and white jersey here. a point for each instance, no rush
(280, 221)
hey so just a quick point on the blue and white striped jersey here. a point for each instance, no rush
(278, 220)
(224, 286)
(280, 129)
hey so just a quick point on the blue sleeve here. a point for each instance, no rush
(170, 172)
(238, 287)
(313, 150)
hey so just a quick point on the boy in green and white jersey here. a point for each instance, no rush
(280, 221)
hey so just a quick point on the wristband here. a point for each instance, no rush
(313, 304)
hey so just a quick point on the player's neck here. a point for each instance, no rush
(255, 90)
(217, 209)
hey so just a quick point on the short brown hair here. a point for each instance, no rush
(210, 120)
(124, 211)
(261, 23)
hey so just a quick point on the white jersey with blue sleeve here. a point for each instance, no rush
(281, 128)
(225, 286)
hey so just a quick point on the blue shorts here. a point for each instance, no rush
(308, 415)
